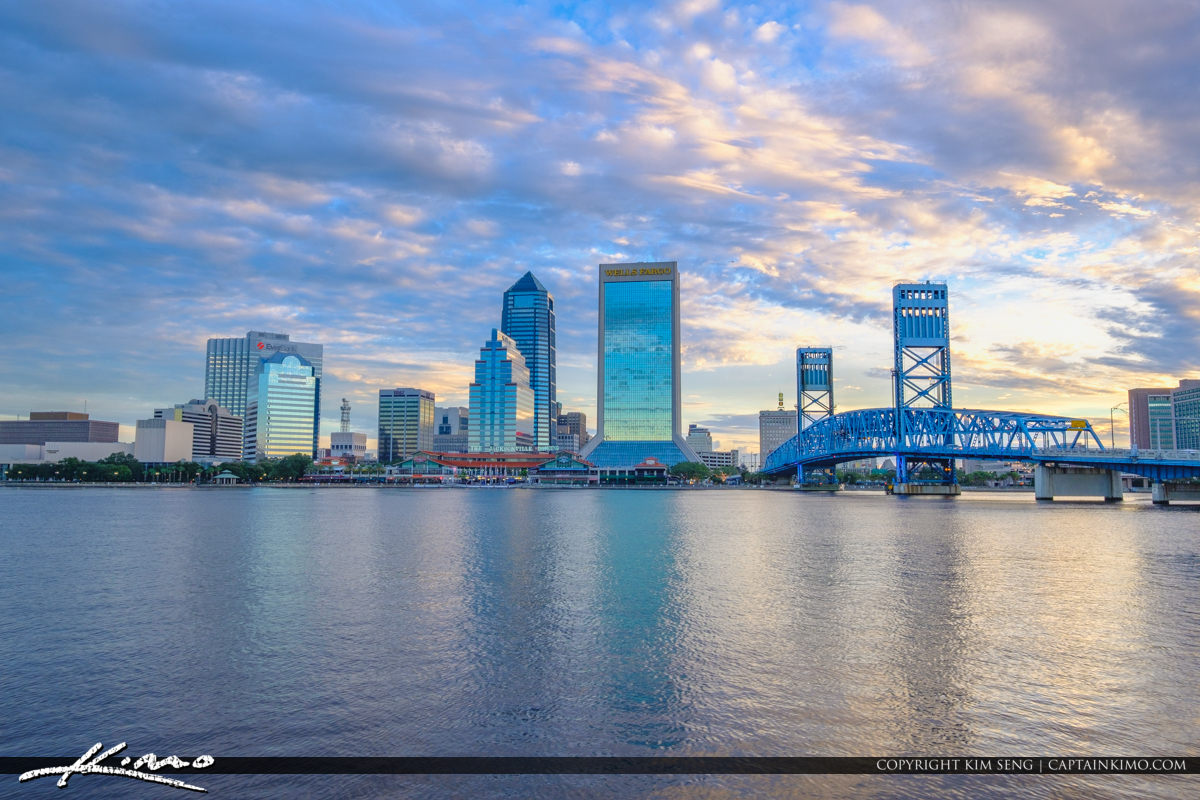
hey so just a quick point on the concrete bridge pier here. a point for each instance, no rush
(1051, 482)
(927, 489)
(1162, 493)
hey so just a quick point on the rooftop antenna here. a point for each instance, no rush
(345, 415)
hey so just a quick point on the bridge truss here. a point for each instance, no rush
(931, 435)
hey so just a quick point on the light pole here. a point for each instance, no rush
(1112, 425)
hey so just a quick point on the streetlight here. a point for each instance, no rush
(1112, 425)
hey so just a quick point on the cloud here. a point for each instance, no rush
(768, 32)
(375, 177)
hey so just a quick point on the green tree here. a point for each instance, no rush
(290, 468)
(69, 469)
(187, 471)
(691, 471)
(137, 470)
(115, 473)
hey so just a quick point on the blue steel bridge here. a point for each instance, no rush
(933, 435)
(925, 434)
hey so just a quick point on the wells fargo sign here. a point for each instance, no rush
(638, 272)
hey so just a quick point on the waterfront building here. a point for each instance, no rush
(405, 423)
(469, 466)
(57, 426)
(528, 319)
(638, 365)
(216, 433)
(648, 471)
(548, 468)
(566, 469)
(52, 452)
(163, 441)
(281, 410)
(345, 444)
(775, 428)
(84, 451)
(573, 422)
(452, 428)
(1185, 409)
(421, 467)
(348, 446)
(501, 400)
(699, 439)
(231, 370)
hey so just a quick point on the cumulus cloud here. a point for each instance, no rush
(374, 177)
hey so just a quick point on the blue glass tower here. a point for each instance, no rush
(638, 395)
(232, 366)
(281, 408)
(502, 410)
(528, 319)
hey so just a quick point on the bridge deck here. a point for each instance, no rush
(968, 433)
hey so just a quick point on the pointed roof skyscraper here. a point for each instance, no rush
(528, 318)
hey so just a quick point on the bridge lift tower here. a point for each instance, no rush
(921, 377)
(814, 388)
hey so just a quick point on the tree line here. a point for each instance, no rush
(124, 468)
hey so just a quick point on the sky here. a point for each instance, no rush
(373, 175)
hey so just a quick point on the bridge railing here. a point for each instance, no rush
(1124, 454)
(964, 433)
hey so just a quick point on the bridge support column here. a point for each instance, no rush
(817, 480)
(1051, 482)
(1164, 493)
(929, 489)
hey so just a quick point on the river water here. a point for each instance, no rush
(474, 622)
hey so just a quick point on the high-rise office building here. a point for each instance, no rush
(700, 439)
(638, 391)
(775, 428)
(501, 400)
(231, 369)
(1185, 409)
(573, 423)
(528, 319)
(1150, 423)
(452, 426)
(1164, 418)
(216, 434)
(405, 423)
(281, 409)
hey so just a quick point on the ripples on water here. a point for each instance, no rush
(524, 622)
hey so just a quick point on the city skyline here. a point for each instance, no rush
(175, 176)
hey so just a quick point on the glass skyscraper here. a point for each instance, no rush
(528, 318)
(231, 369)
(502, 402)
(638, 405)
(281, 408)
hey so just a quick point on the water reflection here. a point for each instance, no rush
(309, 622)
